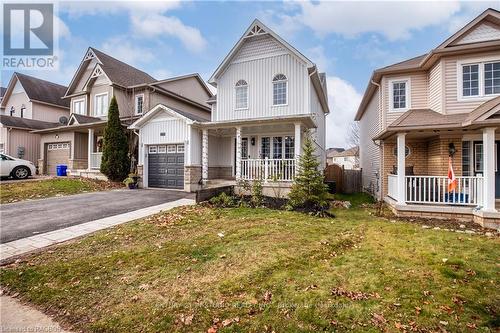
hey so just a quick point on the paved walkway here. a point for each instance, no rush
(16, 317)
(25, 245)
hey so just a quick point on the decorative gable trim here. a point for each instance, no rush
(150, 115)
(72, 120)
(89, 55)
(256, 30)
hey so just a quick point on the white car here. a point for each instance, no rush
(16, 167)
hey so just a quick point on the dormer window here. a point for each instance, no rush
(399, 98)
(241, 92)
(139, 103)
(280, 90)
(12, 110)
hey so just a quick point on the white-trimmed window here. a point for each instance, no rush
(492, 78)
(153, 149)
(79, 106)
(399, 95)
(171, 149)
(478, 79)
(101, 104)
(277, 147)
(470, 80)
(180, 148)
(162, 149)
(241, 93)
(289, 147)
(139, 103)
(280, 91)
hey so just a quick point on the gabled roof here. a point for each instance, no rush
(38, 90)
(117, 71)
(183, 77)
(18, 122)
(163, 108)
(82, 119)
(257, 28)
(426, 61)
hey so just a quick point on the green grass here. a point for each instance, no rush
(272, 270)
(23, 190)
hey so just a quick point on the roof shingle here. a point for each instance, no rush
(42, 90)
(10, 121)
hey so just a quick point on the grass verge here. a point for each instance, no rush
(259, 270)
(24, 190)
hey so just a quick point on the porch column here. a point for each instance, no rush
(489, 169)
(401, 168)
(204, 156)
(90, 148)
(238, 152)
(298, 145)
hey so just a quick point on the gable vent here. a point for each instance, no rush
(90, 55)
(256, 30)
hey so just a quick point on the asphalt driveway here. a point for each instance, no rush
(28, 218)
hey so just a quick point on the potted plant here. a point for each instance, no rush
(131, 181)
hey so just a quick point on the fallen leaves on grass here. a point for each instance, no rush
(353, 295)
(178, 214)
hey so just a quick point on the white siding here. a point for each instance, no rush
(195, 146)
(435, 88)
(370, 156)
(175, 130)
(219, 151)
(319, 132)
(259, 74)
(259, 46)
(484, 32)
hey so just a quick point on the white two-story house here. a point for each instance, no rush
(418, 116)
(269, 96)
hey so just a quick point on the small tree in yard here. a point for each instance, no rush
(115, 162)
(308, 190)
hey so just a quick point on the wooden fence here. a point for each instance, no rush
(347, 181)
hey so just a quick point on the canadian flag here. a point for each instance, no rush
(452, 181)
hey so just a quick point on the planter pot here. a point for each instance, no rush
(132, 186)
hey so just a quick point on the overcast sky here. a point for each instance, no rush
(347, 40)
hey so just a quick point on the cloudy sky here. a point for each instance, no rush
(347, 40)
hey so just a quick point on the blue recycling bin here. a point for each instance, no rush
(61, 170)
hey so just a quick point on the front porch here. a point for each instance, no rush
(415, 183)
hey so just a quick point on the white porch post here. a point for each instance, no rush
(298, 145)
(238, 152)
(489, 169)
(90, 148)
(204, 155)
(401, 168)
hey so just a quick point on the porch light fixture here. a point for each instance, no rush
(451, 149)
(56, 136)
(252, 141)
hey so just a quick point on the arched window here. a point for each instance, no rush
(241, 91)
(280, 89)
(23, 108)
(12, 111)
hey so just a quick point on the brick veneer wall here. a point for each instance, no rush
(428, 157)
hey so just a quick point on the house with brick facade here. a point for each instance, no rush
(442, 108)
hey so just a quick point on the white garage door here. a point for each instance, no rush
(57, 153)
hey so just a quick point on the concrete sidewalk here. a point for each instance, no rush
(9, 251)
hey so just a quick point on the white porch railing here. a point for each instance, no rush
(392, 182)
(434, 190)
(268, 169)
(95, 160)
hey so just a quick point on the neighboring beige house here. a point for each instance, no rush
(268, 96)
(417, 113)
(347, 159)
(98, 78)
(29, 104)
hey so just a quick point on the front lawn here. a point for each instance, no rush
(260, 270)
(24, 190)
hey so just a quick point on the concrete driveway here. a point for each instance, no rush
(24, 219)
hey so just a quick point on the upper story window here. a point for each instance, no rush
(400, 93)
(79, 106)
(470, 76)
(23, 109)
(139, 103)
(12, 110)
(101, 104)
(492, 78)
(479, 79)
(280, 89)
(241, 91)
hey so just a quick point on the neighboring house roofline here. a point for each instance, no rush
(186, 76)
(182, 98)
(37, 90)
(25, 123)
(426, 61)
(353, 151)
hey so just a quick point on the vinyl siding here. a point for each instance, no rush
(435, 88)
(451, 64)
(175, 129)
(195, 146)
(319, 132)
(17, 100)
(483, 32)
(259, 46)
(156, 98)
(220, 151)
(48, 113)
(189, 88)
(22, 138)
(370, 156)
(259, 74)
